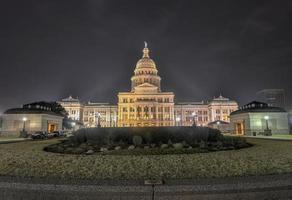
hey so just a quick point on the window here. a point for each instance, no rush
(125, 100)
(218, 111)
(166, 109)
(125, 109)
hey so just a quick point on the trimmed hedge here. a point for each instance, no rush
(150, 135)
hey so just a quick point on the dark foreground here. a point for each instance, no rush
(260, 187)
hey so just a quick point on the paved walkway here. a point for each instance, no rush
(270, 138)
(261, 187)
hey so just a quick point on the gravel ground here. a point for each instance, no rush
(27, 159)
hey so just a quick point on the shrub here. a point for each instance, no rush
(137, 140)
(178, 145)
(147, 135)
(163, 146)
(202, 144)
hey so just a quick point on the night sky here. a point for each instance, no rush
(89, 48)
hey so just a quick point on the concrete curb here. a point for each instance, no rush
(257, 187)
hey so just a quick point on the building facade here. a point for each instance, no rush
(147, 105)
(257, 118)
(38, 118)
(273, 97)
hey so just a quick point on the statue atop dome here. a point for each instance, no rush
(145, 43)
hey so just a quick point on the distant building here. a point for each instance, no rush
(223, 126)
(73, 107)
(36, 118)
(256, 117)
(273, 97)
(185, 113)
(146, 105)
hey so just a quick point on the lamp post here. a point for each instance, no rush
(23, 132)
(177, 119)
(194, 115)
(218, 123)
(267, 123)
(98, 119)
(24, 119)
(73, 125)
(267, 131)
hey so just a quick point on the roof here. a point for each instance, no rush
(218, 121)
(221, 99)
(70, 99)
(257, 107)
(30, 111)
(191, 103)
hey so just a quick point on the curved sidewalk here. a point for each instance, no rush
(257, 187)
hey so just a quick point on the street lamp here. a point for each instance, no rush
(177, 119)
(73, 125)
(98, 119)
(194, 118)
(23, 133)
(218, 123)
(24, 119)
(267, 123)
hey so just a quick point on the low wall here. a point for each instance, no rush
(258, 187)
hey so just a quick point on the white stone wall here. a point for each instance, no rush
(255, 122)
(277, 122)
(12, 123)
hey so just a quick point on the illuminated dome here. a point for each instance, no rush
(145, 61)
(145, 71)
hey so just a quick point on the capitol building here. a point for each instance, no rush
(147, 105)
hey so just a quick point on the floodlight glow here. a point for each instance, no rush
(266, 117)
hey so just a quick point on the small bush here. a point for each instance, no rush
(178, 146)
(137, 140)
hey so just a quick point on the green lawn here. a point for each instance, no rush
(28, 159)
(284, 136)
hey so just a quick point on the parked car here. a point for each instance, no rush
(53, 134)
(39, 135)
(62, 133)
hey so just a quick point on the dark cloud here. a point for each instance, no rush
(88, 48)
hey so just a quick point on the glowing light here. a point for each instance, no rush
(24, 119)
(266, 117)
